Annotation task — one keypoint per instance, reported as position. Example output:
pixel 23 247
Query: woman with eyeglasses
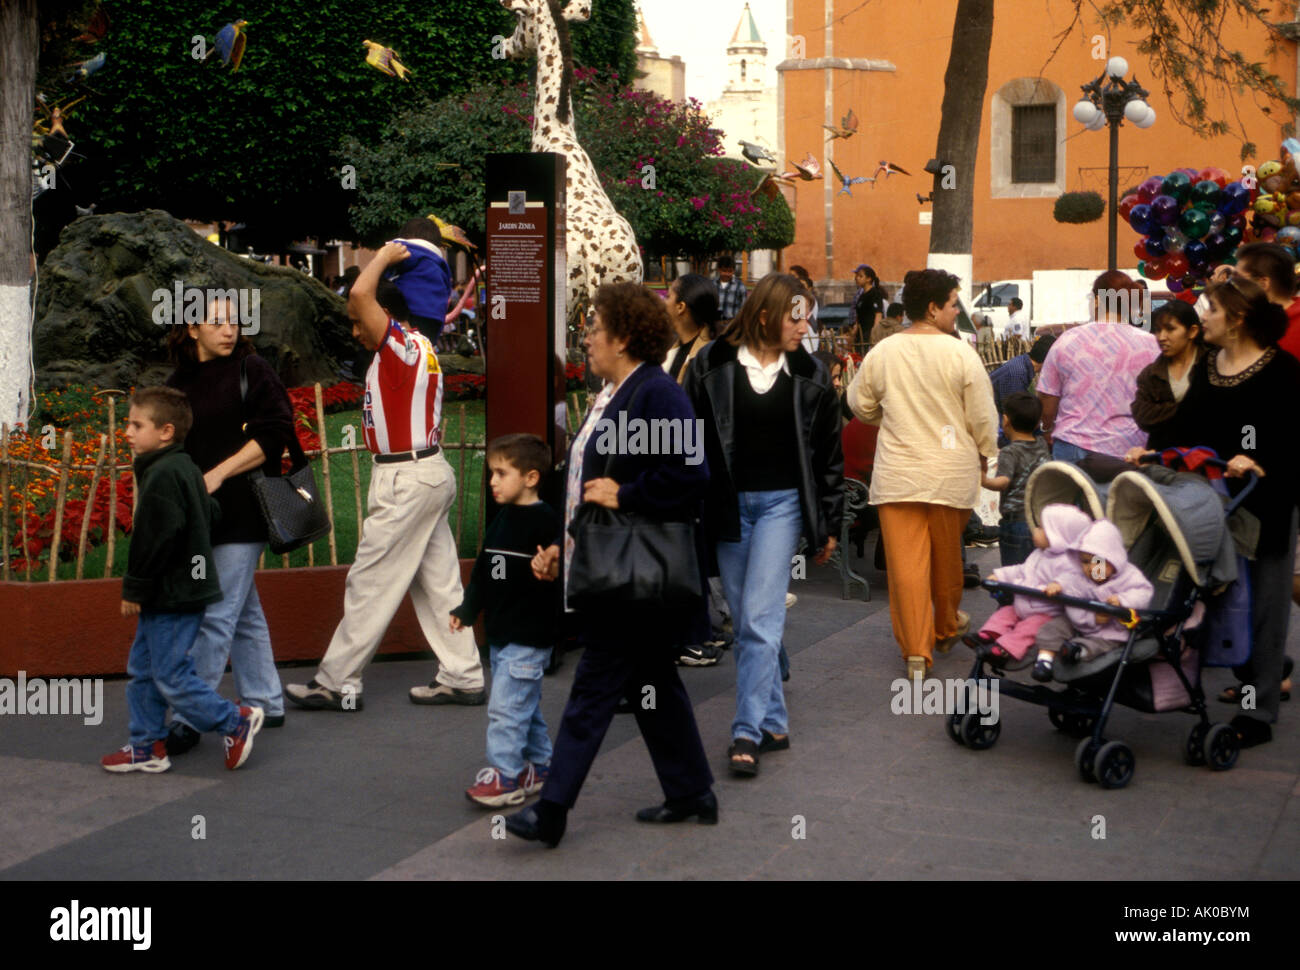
pixel 1237 405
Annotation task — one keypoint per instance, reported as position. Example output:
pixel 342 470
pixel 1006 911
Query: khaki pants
pixel 923 545
pixel 406 543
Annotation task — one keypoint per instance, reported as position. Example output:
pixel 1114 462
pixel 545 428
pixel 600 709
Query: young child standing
pixel 1015 627
pixel 1101 571
pixel 169 580
pixel 1021 413
pixel 522 617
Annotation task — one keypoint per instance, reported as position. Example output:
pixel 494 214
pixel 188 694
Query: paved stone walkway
pixel 874 794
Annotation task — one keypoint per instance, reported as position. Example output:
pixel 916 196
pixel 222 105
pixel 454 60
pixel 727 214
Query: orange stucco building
pixel 886 60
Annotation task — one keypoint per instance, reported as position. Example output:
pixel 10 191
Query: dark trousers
pixel 611 669
pixel 1270 588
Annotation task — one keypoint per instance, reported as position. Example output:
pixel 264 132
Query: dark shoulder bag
pixel 621 558
pixel 290 504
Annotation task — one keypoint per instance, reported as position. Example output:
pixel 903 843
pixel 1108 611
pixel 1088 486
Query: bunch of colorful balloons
pixel 1191 221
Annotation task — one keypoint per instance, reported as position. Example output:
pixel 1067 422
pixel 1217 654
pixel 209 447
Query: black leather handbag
pixel 291 504
pixel 622 559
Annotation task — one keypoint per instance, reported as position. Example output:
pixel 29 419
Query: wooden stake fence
pixel 106 464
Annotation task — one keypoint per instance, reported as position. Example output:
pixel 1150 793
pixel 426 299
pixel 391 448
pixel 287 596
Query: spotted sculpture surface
pixel 600 244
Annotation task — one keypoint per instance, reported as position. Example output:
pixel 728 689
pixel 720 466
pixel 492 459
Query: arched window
pixel 742 69
pixel 1028 140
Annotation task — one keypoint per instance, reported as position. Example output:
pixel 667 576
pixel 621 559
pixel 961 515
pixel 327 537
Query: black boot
pixel 705 806
pixel 543 822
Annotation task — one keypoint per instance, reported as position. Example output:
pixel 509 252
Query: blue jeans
pixel 516 732
pixel 1015 542
pixel 756 576
pixel 162 675
pixel 235 630
pixel 1064 451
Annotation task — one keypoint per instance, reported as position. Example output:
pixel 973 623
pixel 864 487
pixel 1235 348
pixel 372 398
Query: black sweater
pixel 173 519
pixel 520 608
pixel 219 431
pixel 1252 414
pixel 767 445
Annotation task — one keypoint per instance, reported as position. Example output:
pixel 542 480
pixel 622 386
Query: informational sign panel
pixel 524 316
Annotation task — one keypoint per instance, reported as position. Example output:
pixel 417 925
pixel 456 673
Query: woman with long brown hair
pixel 1237 404
pixel 772 438
pixel 234 432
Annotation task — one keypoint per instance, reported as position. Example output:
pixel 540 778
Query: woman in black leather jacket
pixel 772 439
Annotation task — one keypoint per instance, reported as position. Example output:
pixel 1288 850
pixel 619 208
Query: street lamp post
pixel 1108 100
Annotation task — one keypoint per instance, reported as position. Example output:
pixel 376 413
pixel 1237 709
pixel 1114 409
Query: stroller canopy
pixel 1187 508
pixel 1060 482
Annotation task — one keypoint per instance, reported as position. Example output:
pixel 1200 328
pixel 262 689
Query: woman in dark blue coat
pixel 618 460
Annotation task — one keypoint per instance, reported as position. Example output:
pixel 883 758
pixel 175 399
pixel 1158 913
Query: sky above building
pixel 698 32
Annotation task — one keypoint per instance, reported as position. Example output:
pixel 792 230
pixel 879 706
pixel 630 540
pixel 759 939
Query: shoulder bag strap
pixel 295 448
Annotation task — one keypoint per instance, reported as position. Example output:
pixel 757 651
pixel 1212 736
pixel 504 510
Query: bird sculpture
pixel 86 68
pixel 889 168
pixel 755 153
pixel 231 41
pixel 452 235
pixel 96 27
pixel 809 170
pixel 769 187
pixel 923 199
pixel 845 181
pixel 385 59
pixel 847 129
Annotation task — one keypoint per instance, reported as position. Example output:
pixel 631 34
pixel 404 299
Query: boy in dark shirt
pixel 522 615
pixel 1021 413
pixel 169 580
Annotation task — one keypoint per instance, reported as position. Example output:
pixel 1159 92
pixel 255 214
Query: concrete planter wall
pixel 75 628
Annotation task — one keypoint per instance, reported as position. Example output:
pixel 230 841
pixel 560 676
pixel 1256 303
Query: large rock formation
pixel 95 311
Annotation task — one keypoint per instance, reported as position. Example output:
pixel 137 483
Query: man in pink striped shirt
pixel 407 542
pixel 1089 378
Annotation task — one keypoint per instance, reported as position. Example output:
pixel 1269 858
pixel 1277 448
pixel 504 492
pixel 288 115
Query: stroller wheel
pixel 1221 747
pixel 1084 755
pixel 954 727
pixel 978 735
pixel 1114 764
pixel 1194 750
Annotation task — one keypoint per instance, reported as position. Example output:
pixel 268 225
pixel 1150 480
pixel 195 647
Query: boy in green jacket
pixel 169 580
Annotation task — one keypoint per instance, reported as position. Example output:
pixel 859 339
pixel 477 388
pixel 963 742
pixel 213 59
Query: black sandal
pixel 743 746
pixel 771 742
pixel 1232 695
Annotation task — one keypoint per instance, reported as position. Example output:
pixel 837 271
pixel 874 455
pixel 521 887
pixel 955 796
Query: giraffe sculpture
pixel 600 245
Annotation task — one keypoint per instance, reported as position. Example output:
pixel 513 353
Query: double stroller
pixel 1174 523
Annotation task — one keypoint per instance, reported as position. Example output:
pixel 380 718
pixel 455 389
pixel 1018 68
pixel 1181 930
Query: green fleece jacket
pixel 169 568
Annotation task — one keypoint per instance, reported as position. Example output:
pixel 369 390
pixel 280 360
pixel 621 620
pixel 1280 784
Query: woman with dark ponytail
pixel 693 309
pixel 1237 404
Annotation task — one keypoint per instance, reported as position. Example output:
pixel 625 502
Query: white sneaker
pixel 790 600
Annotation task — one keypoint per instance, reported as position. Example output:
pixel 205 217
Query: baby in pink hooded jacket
pixel 1101 572
pixel 1015 627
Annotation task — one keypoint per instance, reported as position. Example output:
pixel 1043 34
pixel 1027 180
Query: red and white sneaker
pixel 532 778
pixel 150 757
pixel 493 790
pixel 239 745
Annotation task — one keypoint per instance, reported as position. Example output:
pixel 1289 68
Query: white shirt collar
pixel 762 377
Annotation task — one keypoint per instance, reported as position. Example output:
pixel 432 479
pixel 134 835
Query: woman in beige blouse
pixel 938 428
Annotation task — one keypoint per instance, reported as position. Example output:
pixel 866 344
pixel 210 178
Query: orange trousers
pixel 923 561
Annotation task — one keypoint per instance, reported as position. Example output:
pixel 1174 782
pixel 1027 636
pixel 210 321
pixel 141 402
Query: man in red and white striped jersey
pixel 406 543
